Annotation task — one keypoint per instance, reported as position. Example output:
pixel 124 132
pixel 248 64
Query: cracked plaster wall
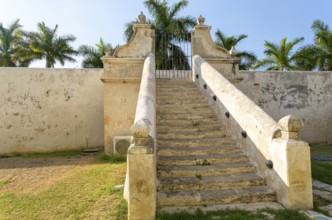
pixel 44 110
pixel 306 95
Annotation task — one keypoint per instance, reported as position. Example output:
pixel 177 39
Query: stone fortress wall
pixel 46 110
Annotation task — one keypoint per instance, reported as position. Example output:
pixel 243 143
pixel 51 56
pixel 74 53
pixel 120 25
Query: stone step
pixel 187 106
pixel 179 98
pixel 176 86
pixel 196 142
pixel 192 88
pixel 212 197
pixel 192 135
pixel 190 128
pixel 195 105
pixel 173 93
pixel 210 182
pixel 174 82
pixel 192 151
pixel 196 123
pixel 202 171
pixel 180 102
pixel 184 110
pixel 186 116
pixel 171 81
pixel 166 93
pixel 201 160
pixel 251 207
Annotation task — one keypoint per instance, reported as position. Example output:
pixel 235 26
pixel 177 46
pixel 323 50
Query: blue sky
pixel 89 20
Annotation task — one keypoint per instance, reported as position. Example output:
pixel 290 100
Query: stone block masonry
pixel 43 110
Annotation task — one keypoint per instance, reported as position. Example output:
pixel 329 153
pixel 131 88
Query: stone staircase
pixel 198 163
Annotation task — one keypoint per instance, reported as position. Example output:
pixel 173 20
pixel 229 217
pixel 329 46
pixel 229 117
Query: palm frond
pixel 319 26
pixel 174 9
pixel 269 63
pixel 247 59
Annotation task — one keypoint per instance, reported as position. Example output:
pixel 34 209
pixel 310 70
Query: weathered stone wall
pixel 44 110
pixel 306 95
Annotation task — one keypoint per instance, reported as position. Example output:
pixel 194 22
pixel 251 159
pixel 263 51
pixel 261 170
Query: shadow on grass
pixel 321 163
pixel 104 158
pixel 59 158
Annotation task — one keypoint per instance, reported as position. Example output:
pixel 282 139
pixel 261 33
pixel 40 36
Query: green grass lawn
pixel 321 170
pixel 321 151
pixel 85 193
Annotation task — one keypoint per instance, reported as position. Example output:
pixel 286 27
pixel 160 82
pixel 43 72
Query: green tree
pixel 317 55
pixel 280 57
pixel 169 29
pixel 248 59
pixel 45 44
pixel 10 40
pixel 92 56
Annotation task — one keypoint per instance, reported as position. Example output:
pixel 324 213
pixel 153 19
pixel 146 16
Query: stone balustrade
pixel 140 186
pixel 281 158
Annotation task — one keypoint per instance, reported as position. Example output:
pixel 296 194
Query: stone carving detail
pixel 290 127
pixel 141 44
pixel 200 20
pixel 233 52
pixel 108 51
pixel 141 137
pixel 140 132
pixel 141 18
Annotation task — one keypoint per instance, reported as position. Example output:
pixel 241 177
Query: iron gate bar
pixel 173 55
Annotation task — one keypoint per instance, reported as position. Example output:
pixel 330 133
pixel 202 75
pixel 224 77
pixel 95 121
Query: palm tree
pixel 92 56
pixel 227 42
pixel 318 55
pixel 45 44
pixel 170 29
pixel 280 57
pixel 9 40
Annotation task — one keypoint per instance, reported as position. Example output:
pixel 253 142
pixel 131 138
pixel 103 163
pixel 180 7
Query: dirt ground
pixel 29 175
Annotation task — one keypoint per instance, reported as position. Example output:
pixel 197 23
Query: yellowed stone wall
pixel 44 110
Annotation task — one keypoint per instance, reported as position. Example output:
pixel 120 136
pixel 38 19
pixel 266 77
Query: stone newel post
pixel 122 75
pixel 140 191
pixel 293 165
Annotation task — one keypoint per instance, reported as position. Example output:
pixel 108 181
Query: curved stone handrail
pixel 258 125
pixel 140 186
pixel 144 126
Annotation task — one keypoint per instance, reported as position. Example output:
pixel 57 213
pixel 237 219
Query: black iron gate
pixel 173 56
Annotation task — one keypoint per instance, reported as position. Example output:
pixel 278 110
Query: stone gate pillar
pixel 222 60
pixel 121 78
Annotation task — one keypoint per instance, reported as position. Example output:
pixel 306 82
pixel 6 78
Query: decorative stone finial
pixel 140 132
pixel 200 20
pixel 108 51
pixel 233 52
pixel 141 18
pixel 290 127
